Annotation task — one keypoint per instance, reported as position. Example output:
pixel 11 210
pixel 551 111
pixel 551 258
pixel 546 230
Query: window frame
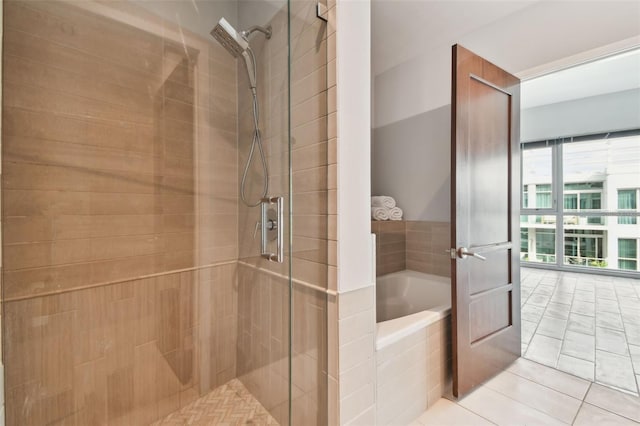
pixel 557 209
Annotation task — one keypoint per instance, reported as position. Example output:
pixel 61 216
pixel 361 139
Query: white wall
pixel 407 164
pixel 591 115
pixel 353 56
pixel 541 33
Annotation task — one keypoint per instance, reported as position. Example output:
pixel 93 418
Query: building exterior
pixel 598 180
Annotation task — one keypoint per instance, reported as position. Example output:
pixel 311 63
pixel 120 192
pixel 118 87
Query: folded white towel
pixel 395 213
pixel 379 213
pixel 383 201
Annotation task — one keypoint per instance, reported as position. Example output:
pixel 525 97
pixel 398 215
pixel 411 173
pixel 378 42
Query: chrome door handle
pixel 272 222
pixel 463 252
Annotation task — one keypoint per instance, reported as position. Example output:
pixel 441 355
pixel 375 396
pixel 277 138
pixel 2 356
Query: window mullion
pixel 557 194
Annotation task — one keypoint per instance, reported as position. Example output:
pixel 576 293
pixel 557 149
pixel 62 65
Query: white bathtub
pixel 407 301
pixel 413 345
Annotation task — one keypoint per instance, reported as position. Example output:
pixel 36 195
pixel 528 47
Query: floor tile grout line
pixel 549 387
pixel 564 335
pixel 542 385
pixel 607 409
pixel 477 414
pixel 558 277
pixel 542 316
pixel 624 326
pixel 525 404
pixel 582 403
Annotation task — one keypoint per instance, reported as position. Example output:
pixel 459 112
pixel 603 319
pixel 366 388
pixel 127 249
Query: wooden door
pixel 485 233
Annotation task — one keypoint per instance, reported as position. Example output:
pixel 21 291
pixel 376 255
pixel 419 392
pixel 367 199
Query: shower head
pixel 236 43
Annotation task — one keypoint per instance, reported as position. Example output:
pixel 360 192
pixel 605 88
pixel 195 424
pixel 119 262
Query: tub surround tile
pixel 390 246
pixel 406 385
pixel 415 245
pixel 356 356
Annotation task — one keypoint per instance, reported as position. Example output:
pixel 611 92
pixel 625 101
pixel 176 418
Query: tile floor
pixel 528 393
pixel 229 404
pixel 586 325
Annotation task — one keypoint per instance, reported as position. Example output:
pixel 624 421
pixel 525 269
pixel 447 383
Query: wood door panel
pixel 488 192
pixel 498 306
pixel 490 274
pixel 485 212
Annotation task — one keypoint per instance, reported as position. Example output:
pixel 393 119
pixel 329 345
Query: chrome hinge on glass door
pixel 272 228
pixel 322 11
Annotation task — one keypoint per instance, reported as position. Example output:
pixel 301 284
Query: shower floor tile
pixel 229 404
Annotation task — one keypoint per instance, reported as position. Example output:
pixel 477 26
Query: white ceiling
pixel 609 75
pixel 516 34
pixel 403 29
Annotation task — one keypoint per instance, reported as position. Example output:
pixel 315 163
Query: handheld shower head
pixel 235 42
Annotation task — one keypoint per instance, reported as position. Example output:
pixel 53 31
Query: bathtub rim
pixel 391 331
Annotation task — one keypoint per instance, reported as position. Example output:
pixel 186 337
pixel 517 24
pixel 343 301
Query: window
pixel 537 175
pixel 524 243
pixel 546 245
pixel 584 196
pixel 584 247
pixel 580 194
pixel 628 254
pixel 627 200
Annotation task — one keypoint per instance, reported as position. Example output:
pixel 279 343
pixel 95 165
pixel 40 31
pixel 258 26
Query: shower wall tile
pixel 115 170
pixel 127 353
pixel 104 165
pixel 262 342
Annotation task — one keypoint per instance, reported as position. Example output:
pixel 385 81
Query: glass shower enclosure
pixel 164 212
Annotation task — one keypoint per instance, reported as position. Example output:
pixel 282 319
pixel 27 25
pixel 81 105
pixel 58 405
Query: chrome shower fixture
pixel 237 43
pixel 229 38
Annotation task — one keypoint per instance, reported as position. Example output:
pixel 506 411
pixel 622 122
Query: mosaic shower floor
pixel 229 404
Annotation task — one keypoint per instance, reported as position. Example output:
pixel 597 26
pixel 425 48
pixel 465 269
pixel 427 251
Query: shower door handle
pixel 272 228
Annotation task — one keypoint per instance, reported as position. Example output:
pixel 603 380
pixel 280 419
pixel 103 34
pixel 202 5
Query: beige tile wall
pixel 356 380
pixel 121 181
pixel 427 245
pixel 263 339
pixel 261 355
pixel 416 245
pixel 126 353
pixel 390 246
pixel 120 169
pixel 413 373
pixel 99 152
